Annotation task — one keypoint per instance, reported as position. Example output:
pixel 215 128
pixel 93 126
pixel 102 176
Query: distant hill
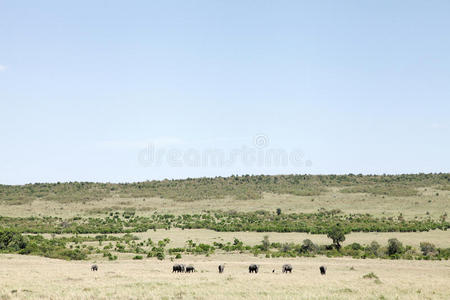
pixel 237 187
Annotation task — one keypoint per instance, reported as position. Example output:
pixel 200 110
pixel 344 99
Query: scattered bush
pixel 160 255
pixel 265 243
pixel 394 247
pixel 11 241
pixel 427 248
pixel 370 275
pixel 308 247
pixel 374 248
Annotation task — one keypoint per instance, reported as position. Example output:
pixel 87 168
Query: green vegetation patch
pixel 259 221
pixel 237 187
pixel 82 247
pixel 14 242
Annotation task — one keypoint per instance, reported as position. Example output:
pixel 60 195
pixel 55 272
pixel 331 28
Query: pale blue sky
pixel 357 86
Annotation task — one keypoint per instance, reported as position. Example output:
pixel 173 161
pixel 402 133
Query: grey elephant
pixel 221 268
pixel 178 268
pixel 190 269
pixel 287 268
pixel 253 268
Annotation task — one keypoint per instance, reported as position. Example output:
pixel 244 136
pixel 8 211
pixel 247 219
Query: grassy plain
pixel 26 277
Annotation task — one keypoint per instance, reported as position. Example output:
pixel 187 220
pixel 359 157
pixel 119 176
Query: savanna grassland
pixel 30 277
pixel 381 237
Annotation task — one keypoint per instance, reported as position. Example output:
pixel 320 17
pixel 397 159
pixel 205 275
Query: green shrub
pixel 308 247
pixel 70 254
pixel 355 246
pixel 395 247
pixel 370 275
pixel 374 248
pixel 160 255
pixel 11 241
pixel 265 243
pixel 427 248
pixel 286 247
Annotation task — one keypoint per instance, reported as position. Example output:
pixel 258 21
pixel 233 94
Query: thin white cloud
pixel 438 125
pixel 2 68
pixel 435 125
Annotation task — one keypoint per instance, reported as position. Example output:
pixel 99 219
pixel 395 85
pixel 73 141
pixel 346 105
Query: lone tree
pixel 337 234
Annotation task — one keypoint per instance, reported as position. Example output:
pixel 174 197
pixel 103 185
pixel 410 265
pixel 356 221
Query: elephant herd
pixel 180 268
pixel 253 268
pixel 287 268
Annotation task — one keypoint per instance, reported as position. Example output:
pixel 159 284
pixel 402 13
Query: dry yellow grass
pixel 27 277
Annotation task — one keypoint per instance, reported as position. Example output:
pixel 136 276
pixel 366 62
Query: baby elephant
pixel 221 268
pixel 94 268
pixel 190 269
pixel 287 268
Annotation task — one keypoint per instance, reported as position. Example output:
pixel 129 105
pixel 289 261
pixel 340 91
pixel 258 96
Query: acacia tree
pixel 337 235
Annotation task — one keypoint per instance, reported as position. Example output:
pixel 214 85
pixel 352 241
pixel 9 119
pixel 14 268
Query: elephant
pixel 287 268
pixel 190 269
pixel 178 268
pixel 221 268
pixel 253 268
